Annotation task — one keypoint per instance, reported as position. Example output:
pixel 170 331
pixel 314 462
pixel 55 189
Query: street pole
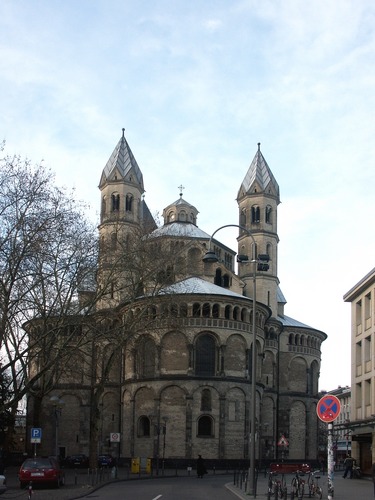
pixel 251 477
pixel 257 260
pixel 330 462
pixel 58 405
pixel 164 433
pixel 157 448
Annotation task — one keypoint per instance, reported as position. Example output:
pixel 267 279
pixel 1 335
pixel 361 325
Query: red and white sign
pixel 114 437
pixel 328 408
pixel 283 441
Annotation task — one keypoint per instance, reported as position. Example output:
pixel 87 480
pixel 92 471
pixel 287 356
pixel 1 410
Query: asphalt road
pixel 167 489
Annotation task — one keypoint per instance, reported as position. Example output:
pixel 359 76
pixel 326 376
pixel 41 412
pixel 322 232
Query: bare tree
pixel 47 249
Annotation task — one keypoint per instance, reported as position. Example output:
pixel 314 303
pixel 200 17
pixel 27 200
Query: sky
pixel 197 85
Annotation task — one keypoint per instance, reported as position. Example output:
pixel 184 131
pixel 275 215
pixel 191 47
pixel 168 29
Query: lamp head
pixel 210 256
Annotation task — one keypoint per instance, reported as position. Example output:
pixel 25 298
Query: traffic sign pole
pixel 328 409
pixel 330 462
pixel 35 437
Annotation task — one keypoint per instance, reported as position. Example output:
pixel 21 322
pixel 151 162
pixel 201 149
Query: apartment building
pixel 362 418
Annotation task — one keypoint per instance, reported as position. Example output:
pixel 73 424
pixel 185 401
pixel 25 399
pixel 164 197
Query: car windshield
pixel 37 463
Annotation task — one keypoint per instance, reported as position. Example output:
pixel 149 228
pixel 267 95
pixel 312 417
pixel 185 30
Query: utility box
pixel 141 465
pixel 146 465
pixel 135 467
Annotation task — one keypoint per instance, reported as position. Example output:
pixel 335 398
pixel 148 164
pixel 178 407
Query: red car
pixel 41 470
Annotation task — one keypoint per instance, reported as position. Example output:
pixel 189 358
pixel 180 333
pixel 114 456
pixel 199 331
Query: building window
pixel 206 404
pixel 225 281
pixel 358 316
pixel 146 358
pixel 218 278
pixel 269 250
pixel 129 203
pixel 206 310
pixel 205 426
pixel 144 427
pixel 104 206
pixel 255 214
pixel 115 202
pixel 196 310
pixel 216 311
pixel 205 356
pixel 228 312
pixel 243 219
pixel 268 214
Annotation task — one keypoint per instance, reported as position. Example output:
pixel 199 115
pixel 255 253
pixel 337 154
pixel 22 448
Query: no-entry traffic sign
pixel 328 408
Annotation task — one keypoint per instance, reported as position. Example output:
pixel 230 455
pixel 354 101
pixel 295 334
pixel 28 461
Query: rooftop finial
pixel 123 133
pixel 181 187
pixel 258 146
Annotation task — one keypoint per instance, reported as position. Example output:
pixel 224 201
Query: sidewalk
pixel 344 489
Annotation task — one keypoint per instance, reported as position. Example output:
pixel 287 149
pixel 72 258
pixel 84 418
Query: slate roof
pixel 181 229
pixel 280 296
pixel 260 173
pixel 199 286
pixel 122 160
pixel 288 321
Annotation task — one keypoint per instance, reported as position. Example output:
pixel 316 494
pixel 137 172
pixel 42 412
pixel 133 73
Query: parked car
pixel 106 461
pixel 41 470
pixel 3 483
pixel 79 460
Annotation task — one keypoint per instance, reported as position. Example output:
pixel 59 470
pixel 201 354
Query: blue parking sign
pixel 36 435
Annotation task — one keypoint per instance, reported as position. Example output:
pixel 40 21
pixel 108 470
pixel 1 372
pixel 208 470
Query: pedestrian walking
pixel 201 468
pixel 348 464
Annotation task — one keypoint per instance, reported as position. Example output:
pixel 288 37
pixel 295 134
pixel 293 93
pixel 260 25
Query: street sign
pixel 283 441
pixel 36 435
pixel 328 408
pixel 114 437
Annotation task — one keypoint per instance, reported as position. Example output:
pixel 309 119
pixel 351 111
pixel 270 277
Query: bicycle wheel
pixel 301 490
pixel 270 491
pixel 293 489
pixel 276 492
pixel 318 492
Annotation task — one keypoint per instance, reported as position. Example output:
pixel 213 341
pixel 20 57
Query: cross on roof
pixel 181 187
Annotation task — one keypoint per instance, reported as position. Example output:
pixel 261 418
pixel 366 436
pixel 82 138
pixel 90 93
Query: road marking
pixel 156 498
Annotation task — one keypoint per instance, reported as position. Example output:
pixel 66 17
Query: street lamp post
pixel 260 263
pixel 160 428
pixel 58 405
pixel 164 435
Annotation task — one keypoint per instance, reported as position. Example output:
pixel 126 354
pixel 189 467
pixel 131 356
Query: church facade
pixel 182 385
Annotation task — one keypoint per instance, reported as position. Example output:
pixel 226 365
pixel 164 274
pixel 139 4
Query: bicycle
pixel 271 485
pixel 276 487
pixel 315 491
pixel 297 486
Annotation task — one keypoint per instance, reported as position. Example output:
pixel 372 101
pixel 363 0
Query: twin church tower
pixel 182 384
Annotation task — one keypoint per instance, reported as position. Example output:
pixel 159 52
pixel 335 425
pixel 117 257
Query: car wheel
pixel 22 485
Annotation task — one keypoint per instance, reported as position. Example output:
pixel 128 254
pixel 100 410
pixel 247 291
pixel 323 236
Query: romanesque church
pixel 182 385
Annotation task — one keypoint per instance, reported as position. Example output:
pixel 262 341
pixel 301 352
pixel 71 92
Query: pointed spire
pixel 259 178
pixel 122 165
